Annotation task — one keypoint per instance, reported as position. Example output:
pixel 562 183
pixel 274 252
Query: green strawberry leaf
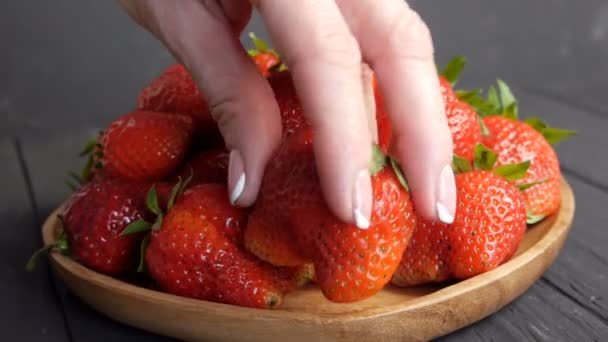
pixel 513 172
pixel 88 147
pixel 73 187
pixel 461 165
pixel 178 189
pixel 484 158
pixel 536 123
pixel 510 112
pixel 378 161
pixel 259 44
pixel 551 134
pixel 508 101
pixel 136 227
pixel 484 129
pixel 453 69
pixel 556 135
pixel 481 105
pixel 278 68
pixel 466 95
pixel 526 186
pixel 531 218
pixel 152 201
pixel 493 98
pixel 62 245
pixel 141 268
pixel 399 174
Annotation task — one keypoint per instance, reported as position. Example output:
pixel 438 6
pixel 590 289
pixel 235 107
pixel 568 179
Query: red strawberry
pixel 174 91
pixel 514 142
pixel 95 216
pixel 425 259
pixel 207 167
pixel 464 126
pixel 383 121
pixel 265 58
pixel 350 263
pixel 490 226
pixel 145 146
pixel 197 253
pixel 490 223
pixel 292 116
pixel 265 62
pixel 447 93
pixel 462 118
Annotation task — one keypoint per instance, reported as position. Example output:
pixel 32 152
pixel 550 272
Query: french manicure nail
pixel 446 196
pixel 362 200
pixel 236 176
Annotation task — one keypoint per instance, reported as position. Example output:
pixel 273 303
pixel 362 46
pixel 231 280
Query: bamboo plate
pixel 414 314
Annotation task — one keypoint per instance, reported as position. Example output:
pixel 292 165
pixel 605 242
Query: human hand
pixel 324 42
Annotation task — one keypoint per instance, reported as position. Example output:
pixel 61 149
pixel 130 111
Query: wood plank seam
pixel 34 207
pixel 584 306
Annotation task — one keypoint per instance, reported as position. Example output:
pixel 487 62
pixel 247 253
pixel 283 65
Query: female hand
pixel 324 42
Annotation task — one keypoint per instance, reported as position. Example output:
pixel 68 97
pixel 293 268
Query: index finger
pixel 325 61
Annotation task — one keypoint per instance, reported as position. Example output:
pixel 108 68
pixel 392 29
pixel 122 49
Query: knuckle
pixel 409 37
pixel 333 46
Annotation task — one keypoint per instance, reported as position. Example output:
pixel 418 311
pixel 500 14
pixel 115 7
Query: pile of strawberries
pixel 153 199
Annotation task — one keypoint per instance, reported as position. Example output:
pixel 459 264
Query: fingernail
pixel 236 176
pixel 446 196
pixel 362 200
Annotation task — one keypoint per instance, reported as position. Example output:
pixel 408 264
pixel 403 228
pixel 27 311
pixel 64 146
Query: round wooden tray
pixel 415 314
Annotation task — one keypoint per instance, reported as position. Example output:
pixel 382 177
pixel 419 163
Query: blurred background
pixel 77 64
pixel 67 68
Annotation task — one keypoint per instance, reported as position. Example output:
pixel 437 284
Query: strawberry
pixel 425 259
pixel 94 218
pixel 174 91
pixel 144 146
pixel 462 118
pixel 383 121
pixel 292 116
pixel 207 167
pixel 489 225
pixel 197 252
pixel 515 141
pixel 264 58
pixel 464 126
pixel 350 263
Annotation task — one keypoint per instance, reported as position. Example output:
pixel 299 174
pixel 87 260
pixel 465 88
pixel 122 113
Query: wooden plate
pixel 416 314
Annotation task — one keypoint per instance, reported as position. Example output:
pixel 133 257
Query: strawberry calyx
pixel 532 218
pixel 260 46
pixel 501 101
pixel 551 134
pixel 380 160
pixel 143 226
pixel 452 71
pixel 61 245
pixel 91 150
pixel 485 159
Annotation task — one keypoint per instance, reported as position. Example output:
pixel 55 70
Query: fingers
pixel 241 100
pixel 325 61
pixel 398 46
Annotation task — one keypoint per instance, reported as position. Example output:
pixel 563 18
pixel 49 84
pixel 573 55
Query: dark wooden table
pixel 67 68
